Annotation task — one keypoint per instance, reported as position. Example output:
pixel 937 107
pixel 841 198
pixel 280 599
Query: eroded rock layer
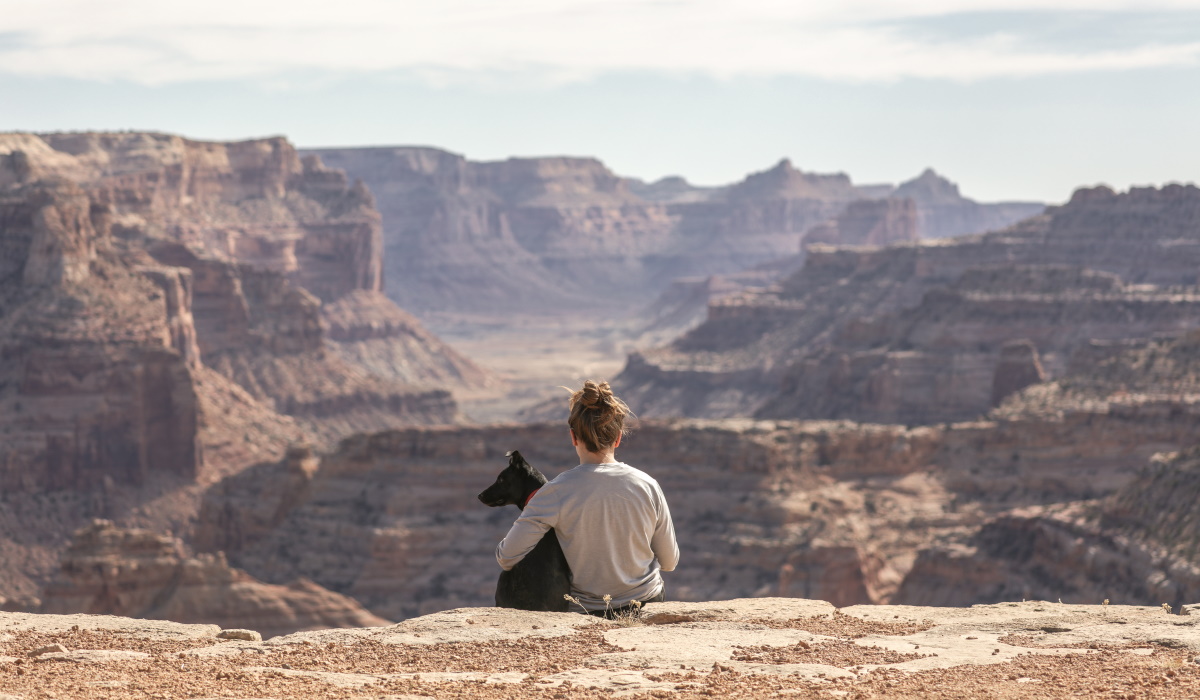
pixel 108 570
pixel 914 333
pixel 555 234
pixel 165 307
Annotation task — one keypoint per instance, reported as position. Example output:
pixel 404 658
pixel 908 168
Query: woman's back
pixel 615 529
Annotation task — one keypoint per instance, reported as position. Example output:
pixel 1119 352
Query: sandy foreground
pixel 748 648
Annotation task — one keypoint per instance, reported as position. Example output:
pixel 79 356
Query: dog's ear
pixel 514 457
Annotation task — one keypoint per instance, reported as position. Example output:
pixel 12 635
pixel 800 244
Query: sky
pixel 1012 99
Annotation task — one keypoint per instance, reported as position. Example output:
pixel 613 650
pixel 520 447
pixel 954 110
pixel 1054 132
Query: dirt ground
pixel 509 655
pixel 169 673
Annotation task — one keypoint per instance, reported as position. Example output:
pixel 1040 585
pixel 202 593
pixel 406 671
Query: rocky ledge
pixel 757 647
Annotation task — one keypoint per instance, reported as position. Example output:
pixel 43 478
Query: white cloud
pixel 157 42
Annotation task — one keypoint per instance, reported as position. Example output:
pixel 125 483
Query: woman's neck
pixel 586 457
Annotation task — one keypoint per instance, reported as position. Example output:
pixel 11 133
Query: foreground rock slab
pixel 761 647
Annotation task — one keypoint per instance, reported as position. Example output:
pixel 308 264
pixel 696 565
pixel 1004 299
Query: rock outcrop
pixel 942 212
pixel 1137 545
pixel 108 570
pixel 850 513
pixel 870 222
pixel 913 333
pixel 163 323
pixel 92 384
pixel 392 520
pixel 747 648
pixel 541 234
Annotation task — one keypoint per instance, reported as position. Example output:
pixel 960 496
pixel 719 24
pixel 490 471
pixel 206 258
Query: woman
pixel 611 519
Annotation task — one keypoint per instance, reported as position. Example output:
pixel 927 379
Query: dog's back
pixel 541 580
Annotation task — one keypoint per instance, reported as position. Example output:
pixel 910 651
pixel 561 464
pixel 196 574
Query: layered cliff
pixel 248 242
pixel 392 519
pixel 914 332
pixel 1116 521
pixel 845 512
pixel 108 570
pixel 1139 545
pixel 544 234
pixel 166 313
pixel 99 359
pixel 942 211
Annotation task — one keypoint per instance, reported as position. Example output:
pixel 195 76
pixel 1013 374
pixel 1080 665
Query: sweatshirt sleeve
pixel 539 516
pixel 663 543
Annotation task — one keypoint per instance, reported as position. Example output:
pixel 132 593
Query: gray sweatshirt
pixel 614 527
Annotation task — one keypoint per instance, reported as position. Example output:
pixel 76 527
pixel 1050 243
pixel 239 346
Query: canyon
pixel 173 311
pixel 243 381
pixel 542 235
pixel 913 333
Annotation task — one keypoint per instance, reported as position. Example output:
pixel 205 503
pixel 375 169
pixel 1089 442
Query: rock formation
pixel 1135 546
pixel 540 234
pixel 913 333
pixel 942 212
pixel 108 570
pixel 392 520
pixel 872 222
pixel 742 648
pixel 845 512
pixel 164 306
pixel 92 385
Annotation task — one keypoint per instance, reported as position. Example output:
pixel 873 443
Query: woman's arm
pixel 663 543
pixel 538 517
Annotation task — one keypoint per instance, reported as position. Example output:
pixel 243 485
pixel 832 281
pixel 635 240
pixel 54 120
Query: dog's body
pixel 542 579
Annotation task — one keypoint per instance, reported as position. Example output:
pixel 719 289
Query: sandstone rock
pixel 1017 368
pixel 244 635
pixel 94 656
pixel 912 333
pixel 108 570
pixel 246 241
pixel 873 222
pixel 533 232
pixel 47 649
pixel 942 212
pixel 751 497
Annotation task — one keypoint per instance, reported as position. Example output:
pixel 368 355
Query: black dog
pixel 542 579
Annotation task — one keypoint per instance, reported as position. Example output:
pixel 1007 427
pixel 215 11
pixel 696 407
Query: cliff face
pixel 873 222
pixel 392 519
pixel 914 333
pixel 247 242
pixel 851 513
pixel 542 234
pixel 163 313
pixel 97 377
pixel 1114 519
pixel 108 570
pixel 942 212
pixel 845 512
pixel 1138 545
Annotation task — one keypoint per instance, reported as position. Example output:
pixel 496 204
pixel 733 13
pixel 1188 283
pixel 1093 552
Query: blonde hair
pixel 597 416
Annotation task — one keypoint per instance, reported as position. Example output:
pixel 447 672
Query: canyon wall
pixel 392 519
pixel 253 252
pixel 845 512
pixel 543 234
pixel 173 311
pixel 108 570
pixel 913 333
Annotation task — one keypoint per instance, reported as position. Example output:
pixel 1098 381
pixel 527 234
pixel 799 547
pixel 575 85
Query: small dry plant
pixel 627 616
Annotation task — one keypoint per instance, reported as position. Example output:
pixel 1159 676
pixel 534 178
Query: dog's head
pixel 514 484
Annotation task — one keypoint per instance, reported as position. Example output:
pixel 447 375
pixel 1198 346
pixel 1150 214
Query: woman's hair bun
pixel 595 395
pixel 597 415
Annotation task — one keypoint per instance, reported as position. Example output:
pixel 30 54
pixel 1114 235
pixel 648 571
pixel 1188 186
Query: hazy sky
pixel 1012 99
